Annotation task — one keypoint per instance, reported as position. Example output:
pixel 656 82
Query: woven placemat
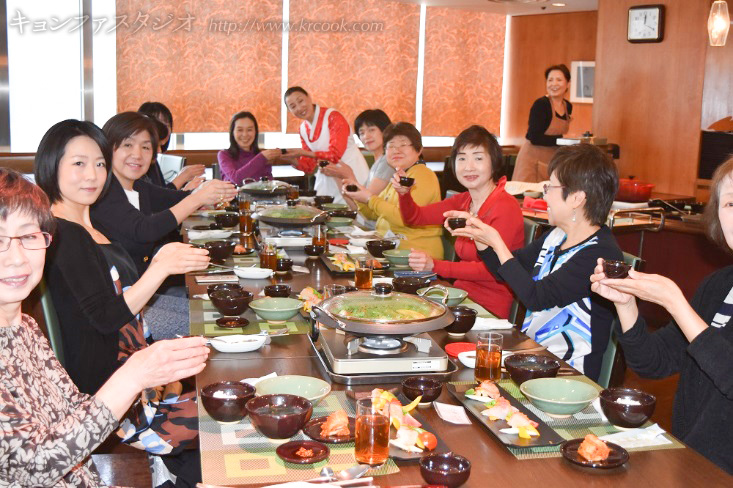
pixel 482 312
pixel 587 421
pixel 237 454
pixel 203 317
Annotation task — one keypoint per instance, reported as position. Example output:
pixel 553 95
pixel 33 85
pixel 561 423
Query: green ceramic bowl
pixel 397 257
pixel 455 295
pixel 314 389
pixel 276 309
pixel 339 221
pixel 559 397
pixel 334 206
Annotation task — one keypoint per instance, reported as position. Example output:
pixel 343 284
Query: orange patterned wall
pixel 354 71
pixel 202 75
pixel 464 63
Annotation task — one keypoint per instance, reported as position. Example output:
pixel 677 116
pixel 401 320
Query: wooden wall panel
pixel 717 97
pixel 354 71
pixel 203 76
pixel 464 63
pixel 648 97
pixel 536 42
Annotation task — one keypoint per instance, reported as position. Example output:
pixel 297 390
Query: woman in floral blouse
pixel 47 428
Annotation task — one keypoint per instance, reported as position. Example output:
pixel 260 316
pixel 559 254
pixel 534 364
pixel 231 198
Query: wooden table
pixel 492 464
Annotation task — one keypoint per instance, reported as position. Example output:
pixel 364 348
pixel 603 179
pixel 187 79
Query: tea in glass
pixel 363 274
pixel 244 204
pixel 293 192
pixel 246 224
pixel 319 237
pixel 372 434
pixel 268 257
pixel 488 356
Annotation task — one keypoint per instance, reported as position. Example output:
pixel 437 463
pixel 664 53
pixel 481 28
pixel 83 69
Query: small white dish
pixel 238 343
pixel 252 273
pixel 468 358
pixel 208 234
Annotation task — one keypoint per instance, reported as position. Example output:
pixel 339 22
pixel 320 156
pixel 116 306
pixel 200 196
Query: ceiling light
pixel 558 4
pixel 718 23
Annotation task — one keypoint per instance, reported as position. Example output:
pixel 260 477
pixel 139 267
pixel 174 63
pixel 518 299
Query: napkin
pixel 357 232
pixel 202 296
pixel 635 438
pixel 488 323
pixel 455 414
pixel 332 248
pixel 535 203
pixel 254 381
pixel 300 269
pixel 355 249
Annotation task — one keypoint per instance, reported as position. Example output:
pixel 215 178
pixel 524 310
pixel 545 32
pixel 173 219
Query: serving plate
pixel 336 270
pixel 313 430
pixel 287 451
pixel 547 437
pixel 616 458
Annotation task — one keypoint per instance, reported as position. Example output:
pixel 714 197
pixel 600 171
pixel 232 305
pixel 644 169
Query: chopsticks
pixel 358 481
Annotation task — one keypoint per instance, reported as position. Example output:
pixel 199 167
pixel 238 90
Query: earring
pixel 574 212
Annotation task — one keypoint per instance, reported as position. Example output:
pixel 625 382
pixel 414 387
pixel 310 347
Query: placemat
pixel 482 312
pixel 203 317
pixel 234 454
pixel 587 421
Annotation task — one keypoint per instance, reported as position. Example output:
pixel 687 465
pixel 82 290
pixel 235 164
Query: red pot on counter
pixel 630 190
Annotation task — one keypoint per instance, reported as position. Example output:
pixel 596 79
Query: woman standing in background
pixel 549 118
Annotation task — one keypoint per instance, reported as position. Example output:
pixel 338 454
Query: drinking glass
pixel 363 274
pixel 488 356
pixel 333 290
pixel 320 237
pixel 293 192
pixel 372 434
pixel 244 204
pixel 246 224
pixel 268 257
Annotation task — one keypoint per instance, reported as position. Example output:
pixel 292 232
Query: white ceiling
pixel 513 7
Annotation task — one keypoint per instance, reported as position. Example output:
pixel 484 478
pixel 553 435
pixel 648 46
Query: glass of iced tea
pixel 333 290
pixel 372 434
pixel 293 192
pixel 319 237
pixel 363 274
pixel 244 204
pixel 246 225
pixel 488 356
pixel 268 257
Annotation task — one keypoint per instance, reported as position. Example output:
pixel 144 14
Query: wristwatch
pixel 283 151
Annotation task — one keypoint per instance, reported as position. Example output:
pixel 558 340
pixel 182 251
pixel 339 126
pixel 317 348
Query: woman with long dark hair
pixel 244 158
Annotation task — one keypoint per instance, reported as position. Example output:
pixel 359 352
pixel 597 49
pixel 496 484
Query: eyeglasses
pixel 546 188
pixel 31 242
pixel 396 146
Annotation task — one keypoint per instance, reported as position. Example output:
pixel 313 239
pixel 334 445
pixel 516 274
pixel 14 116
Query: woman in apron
pixel 549 118
pixel 325 136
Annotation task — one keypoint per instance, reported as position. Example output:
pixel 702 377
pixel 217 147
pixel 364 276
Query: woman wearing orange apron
pixel 549 118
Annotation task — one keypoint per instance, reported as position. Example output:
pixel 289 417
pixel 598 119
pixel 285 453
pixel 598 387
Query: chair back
pixel 170 165
pixel 517 310
pixel 53 327
pixel 609 356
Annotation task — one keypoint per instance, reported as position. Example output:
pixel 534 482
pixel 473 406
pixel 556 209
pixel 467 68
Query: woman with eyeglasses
pixel 190 176
pixel 99 295
pixel 478 164
pixel 48 428
pixel 325 136
pixel 550 275
pixel 697 344
pixel 403 147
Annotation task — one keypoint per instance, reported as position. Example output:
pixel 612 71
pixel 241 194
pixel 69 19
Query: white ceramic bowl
pixel 238 343
pixel 252 273
pixel 208 234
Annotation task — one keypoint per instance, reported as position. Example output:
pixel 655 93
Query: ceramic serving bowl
pixel 446 469
pixel 524 367
pixel 558 397
pixel 397 257
pixel 464 318
pixel 219 250
pixel 228 219
pixel 427 387
pixel 281 291
pixel 276 309
pixel 377 247
pixel 279 416
pixel 339 222
pixel 313 251
pixel 230 303
pixel 626 407
pixel 455 295
pixel 334 206
pixel 225 401
pixel 409 284
pixel 321 199
pixel 349 214
pixel 238 343
pixel 224 287
pixel 313 389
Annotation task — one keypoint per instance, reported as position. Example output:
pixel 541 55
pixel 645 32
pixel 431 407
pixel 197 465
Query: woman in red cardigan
pixel 477 162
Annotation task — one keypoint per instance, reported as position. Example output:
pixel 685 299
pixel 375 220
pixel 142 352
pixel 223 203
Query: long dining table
pixel 492 463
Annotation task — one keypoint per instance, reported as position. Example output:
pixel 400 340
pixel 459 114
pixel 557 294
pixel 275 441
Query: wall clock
pixel 646 23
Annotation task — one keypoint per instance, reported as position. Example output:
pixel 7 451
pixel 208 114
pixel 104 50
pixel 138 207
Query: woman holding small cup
pixel 550 275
